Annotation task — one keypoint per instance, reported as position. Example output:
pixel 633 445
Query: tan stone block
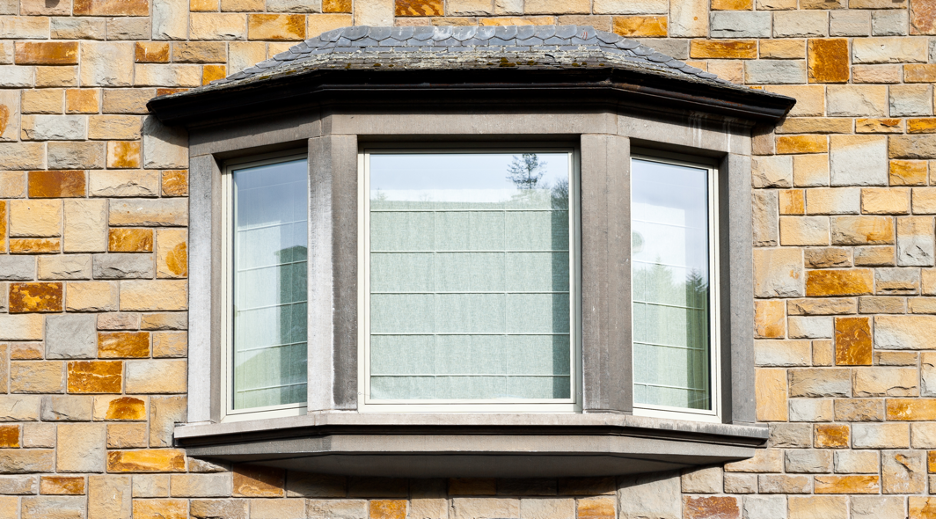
pixel 164 413
pixel 119 408
pixel 771 394
pixel 54 485
pixel 36 377
pixel 792 202
pixel 856 484
pixel 778 273
pixel 242 5
pixel 81 447
pixel 732 71
pixel 174 183
pixel 857 100
pixel 862 230
pixel 764 461
pixel 810 99
pixel 127 101
pixel 859 410
pixel 881 304
pixel 885 200
pixel 242 55
pixel 47 53
pixel 123 345
pixel 732 5
pixel 151 295
pixel 929 281
pixel 217 26
pixel 257 481
pixel 640 26
pixel 880 381
pixel 12 186
pixel 165 321
pixel 802 144
pixel 35 218
pixel 23 327
pixel 884 358
pixel 56 76
pixel 162 376
pixel 591 507
pixel 782 49
pixel 804 231
pixel 91 297
pixel 734 49
pixel 76 155
pixel 336 6
pixel 878 126
pixel 817 507
pixel 170 344
pixel 39 7
pixel 171 253
pixel 114 127
pixel 783 484
pixel 874 256
pixel 166 508
pixel 151 52
pixel 903 472
pixel 109 496
pixel 126 435
pixel 85 225
pixel 124 183
pixel 39 101
pixel 922 507
pixel 926 125
pixel 826 257
pixel 833 201
pixel 35 245
pixel 823 353
pixel 226 508
pixel 143 212
pixel 711 507
pixel 876 74
pixel 811 170
pixel 769 319
pixel 166 75
pixel 27 351
pixel 831 435
pixel 828 60
pixel 107 64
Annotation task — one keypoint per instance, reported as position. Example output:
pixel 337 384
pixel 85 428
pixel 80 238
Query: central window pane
pixel 469 276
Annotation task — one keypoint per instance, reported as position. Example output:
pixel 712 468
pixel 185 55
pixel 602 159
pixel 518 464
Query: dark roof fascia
pixel 438 89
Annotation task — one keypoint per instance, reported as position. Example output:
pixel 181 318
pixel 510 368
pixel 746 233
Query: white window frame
pixel 572 404
pixel 715 351
pixel 228 412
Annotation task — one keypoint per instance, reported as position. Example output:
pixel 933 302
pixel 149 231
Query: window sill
pixel 473 445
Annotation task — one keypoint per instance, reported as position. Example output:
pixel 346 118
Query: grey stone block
pixel 800 24
pixel 850 23
pixel 910 100
pixel 862 165
pixel 71 336
pixel 122 265
pixel 741 24
pixel 889 22
pixel 19 485
pixel 652 495
pixel 775 72
pixel 14 267
pixel 66 408
pixel 808 461
pixel 4 290
pixel 764 507
pixel 677 48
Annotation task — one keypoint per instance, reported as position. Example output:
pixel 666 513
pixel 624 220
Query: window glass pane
pixel 670 233
pixel 270 250
pixel 469 276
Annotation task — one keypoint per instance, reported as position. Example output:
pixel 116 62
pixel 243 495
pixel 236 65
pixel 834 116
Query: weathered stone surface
pixel 257 481
pixel 877 507
pixel 171 253
pixel 859 410
pixel 769 319
pixel 711 507
pixel 118 321
pixel 35 218
pixel 143 212
pixel 810 327
pixel 126 435
pixel 904 332
pixel 903 472
pixel 808 461
pixel 818 507
pixel 916 245
pixel 122 266
pixel 878 436
pixel 119 408
pixel 66 408
pixel 778 273
pixel 167 23
pixel 778 72
pixel 164 147
pixel 64 267
pixel 811 410
pixel 123 345
pixel 654 495
pixel 820 383
pixel 885 200
pixel 170 344
pixel 706 480
pixel 70 336
pixel 91 297
pixel 164 413
pixel 897 281
pixel 833 201
pixel 124 183
pixel 81 447
pixel 589 507
pixel 889 50
pixel 109 496
pixel 143 461
pixel 35 297
pixel 922 507
pixel 785 484
pixel 851 282
pixel 164 376
pixel 765 207
pixel 168 508
pixel 772 172
pixel 740 24
pixel 203 486
pixel 853 345
pixel 19 485
pixel 804 231
pixel 153 295
pixel 92 377
pixel 25 327
pixel 790 435
pixel 831 435
pixel 875 256
pixel 850 461
pixel 882 305
pixel 54 507
pixel 341 508
pixel 858 160
pixel 739 483
pixel 880 381
pixel 36 377
pixel 912 146
pixel 863 484
pixel 764 507
pixel 123 154
pixel 230 508
pixel 165 321
pixel 763 461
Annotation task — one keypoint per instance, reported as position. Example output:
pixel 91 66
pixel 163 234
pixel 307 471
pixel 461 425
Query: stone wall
pixel 93 215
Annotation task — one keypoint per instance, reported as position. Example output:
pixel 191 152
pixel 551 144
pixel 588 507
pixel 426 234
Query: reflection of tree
pixel 526 171
pixel 672 298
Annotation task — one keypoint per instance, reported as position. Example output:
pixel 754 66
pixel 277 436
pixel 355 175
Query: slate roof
pixel 466 48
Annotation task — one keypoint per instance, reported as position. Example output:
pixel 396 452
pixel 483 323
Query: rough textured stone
pixel 91 377
pixel 849 461
pixel 81 448
pixel 783 484
pixel 204 485
pixel 71 336
pixel 878 507
pixel 889 50
pixel 811 327
pixel 818 507
pixel 649 496
pixel 36 377
pixel 230 508
pixel 859 410
pixel 143 461
pixel 766 229
pixel 169 508
pixel 764 507
pixel 853 341
pixel 257 481
pixel 850 282
pixel 778 273
pixel 91 297
pixel 85 225
pixel 66 408
pixel 903 472
pixel 156 376
pixel 904 332
pixel 808 461
pixel 54 507
pixel 877 436
pixel 770 319
pixel 109 496
pixel 820 383
pixel 122 266
pixel 339 508
pixel 153 295
pixel 771 394
pixel 879 381
pixel 856 484
pixel 119 408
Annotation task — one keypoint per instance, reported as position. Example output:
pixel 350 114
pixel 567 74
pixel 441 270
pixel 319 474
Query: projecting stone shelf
pixel 473 445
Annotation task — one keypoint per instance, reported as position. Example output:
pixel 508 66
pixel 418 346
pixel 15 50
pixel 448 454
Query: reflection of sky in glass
pixel 455 177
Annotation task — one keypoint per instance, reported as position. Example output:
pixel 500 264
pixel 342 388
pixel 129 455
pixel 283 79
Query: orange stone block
pixel 792 202
pixel 923 17
pixel 123 154
pixel 169 91
pixel 276 27
pixel 734 49
pixel 95 377
pixel 908 173
pixel 832 435
pixel 3 225
pixel 162 508
pixel 846 282
pixel 126 409
pixel 336 6
pixel 922 507
pixel 151 52
pixel 46 53
pixel 34 246
pixel 924 125
pixel 856 484
pixel 56 184
pixel 878 126
pixel 931 461
pixel 123 344
pixel 419 8
pixel 853 341
pixel 111 8
pixel 732 5
pixel 145 461
pixel 175 183
pixel 36 297
pixel 787 144
pixel 27 351
pixel 911 409
pixel 640 26
pixel 9 436
pixel 596 507
pixel 920 73
pixel 828 60
pixel 387 509
pixel 82 101
pixel 130 240
pixel 62 485
pixel 711 507
pixel 212 72
pixel 258 481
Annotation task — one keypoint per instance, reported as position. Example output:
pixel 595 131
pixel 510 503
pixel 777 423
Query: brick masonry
pixel 93 241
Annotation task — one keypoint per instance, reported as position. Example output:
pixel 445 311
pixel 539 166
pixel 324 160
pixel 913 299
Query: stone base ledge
pixel 473 445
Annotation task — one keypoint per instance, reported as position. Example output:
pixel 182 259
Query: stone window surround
pixel 604 139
